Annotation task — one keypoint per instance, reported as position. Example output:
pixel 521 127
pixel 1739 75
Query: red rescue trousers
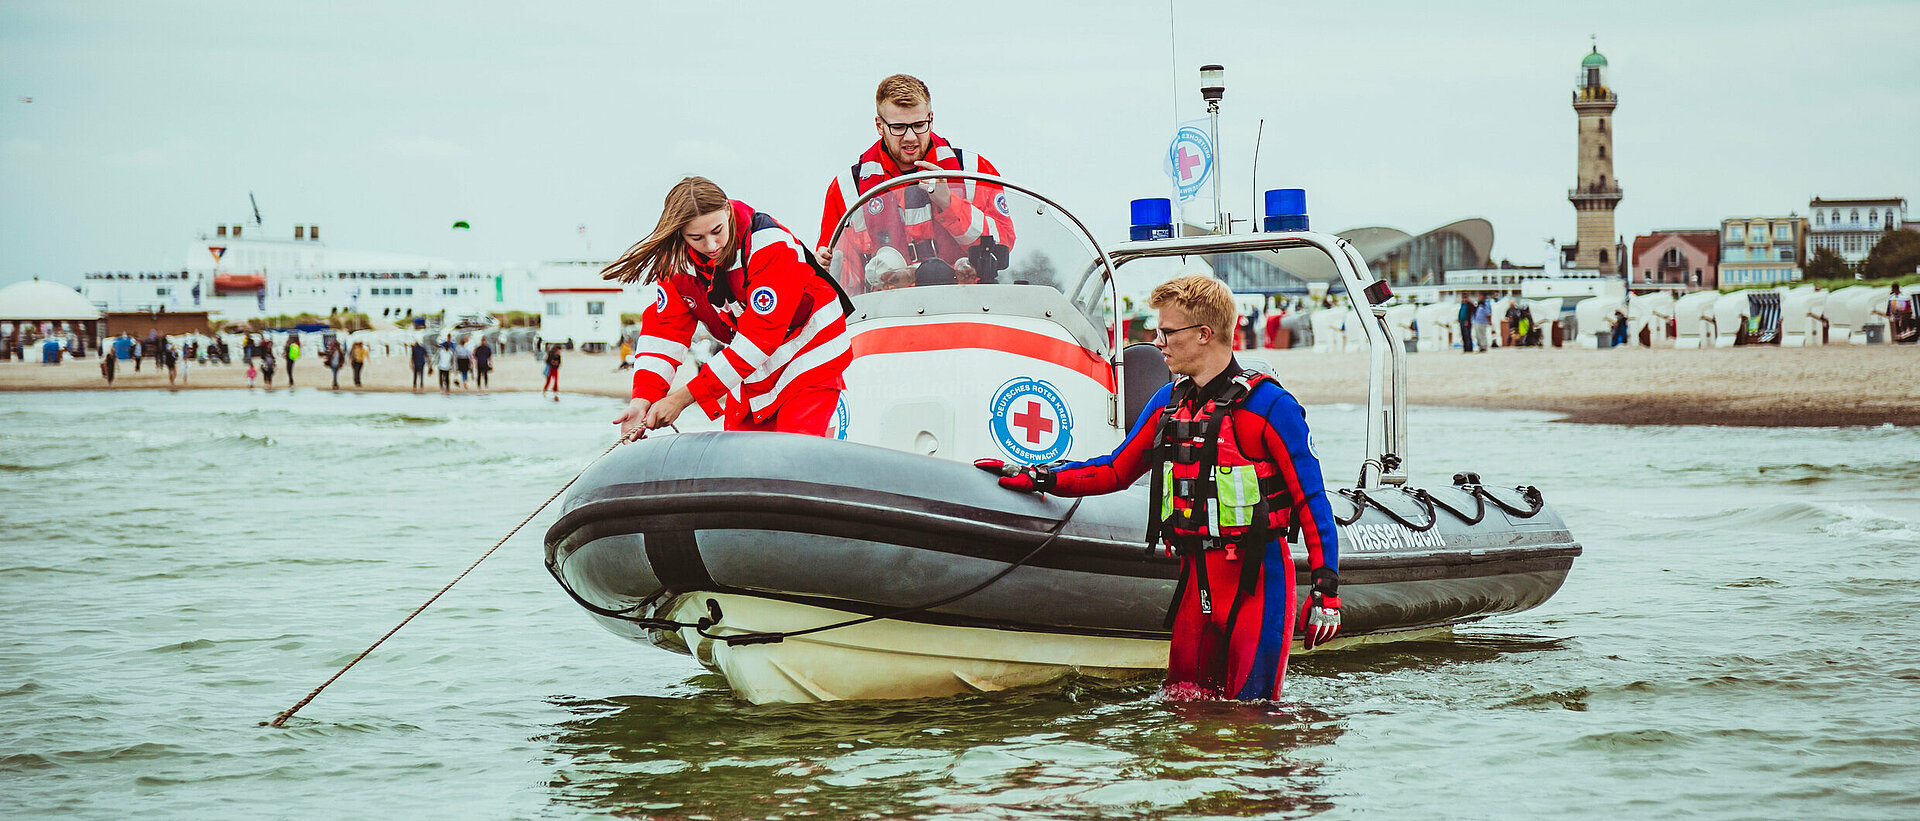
pixel 1245 658
pixel 807 411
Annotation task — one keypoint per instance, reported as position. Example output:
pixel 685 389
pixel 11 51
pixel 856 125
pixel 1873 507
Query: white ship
pixel 240 271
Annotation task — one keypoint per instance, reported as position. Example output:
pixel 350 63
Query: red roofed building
pixel 1686 259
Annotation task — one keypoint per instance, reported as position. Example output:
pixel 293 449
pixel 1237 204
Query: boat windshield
pixel 967 230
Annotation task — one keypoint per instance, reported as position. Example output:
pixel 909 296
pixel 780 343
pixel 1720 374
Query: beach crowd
pixel 454 362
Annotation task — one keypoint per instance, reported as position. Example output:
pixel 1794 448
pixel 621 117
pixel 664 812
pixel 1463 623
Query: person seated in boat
pixel 1233 470
pixel 966 224
pixel 888 270
pixel 716 263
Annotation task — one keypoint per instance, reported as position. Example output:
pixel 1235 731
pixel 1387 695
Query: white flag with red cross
pixel 1190 164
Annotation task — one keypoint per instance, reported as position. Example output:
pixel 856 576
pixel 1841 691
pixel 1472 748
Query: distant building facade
pixel 1596 190
pixel 1424 259
pixel 1850 228
pixel 1762 250
pixel 1393 255
pixel 582 310
pixel 1687 257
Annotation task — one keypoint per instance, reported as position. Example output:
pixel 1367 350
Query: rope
pixel 281 719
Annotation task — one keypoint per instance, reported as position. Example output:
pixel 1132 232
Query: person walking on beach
pixel 1483 325
pixel 443 359
pixel 552 373
pixel 107 363
pixel 419 366
pixel 626 356
pixel 462 359
pixel 482 363
pixel 266 365
pixel 716 263
pixel 139 353
pixel 1466 324
pixel 358 358
pixel 252 373
pixel 293 355
pixel 168 358
pixel 1243 473
pixel 335 358
pixel 1901 326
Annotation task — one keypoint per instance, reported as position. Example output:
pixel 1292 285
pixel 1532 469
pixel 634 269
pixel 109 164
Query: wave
pixel 199 444
pixel 30 569
pixel 1803 473
pixel 1832 518
pixel 394 420
pixel 25 467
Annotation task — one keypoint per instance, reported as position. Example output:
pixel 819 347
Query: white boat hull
pixel 889 659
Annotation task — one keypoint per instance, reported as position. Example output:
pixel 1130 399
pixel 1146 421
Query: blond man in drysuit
pixel 1234 470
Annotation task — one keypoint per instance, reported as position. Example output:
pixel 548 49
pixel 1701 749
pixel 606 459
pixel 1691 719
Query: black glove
pixel 1023 478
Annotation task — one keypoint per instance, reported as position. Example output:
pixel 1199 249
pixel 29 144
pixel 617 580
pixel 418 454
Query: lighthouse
pixel 1596 190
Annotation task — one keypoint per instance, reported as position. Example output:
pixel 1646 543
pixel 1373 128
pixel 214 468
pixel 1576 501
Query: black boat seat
pixel 1145 371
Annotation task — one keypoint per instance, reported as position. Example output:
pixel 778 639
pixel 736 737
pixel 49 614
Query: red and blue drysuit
pixel 1233 614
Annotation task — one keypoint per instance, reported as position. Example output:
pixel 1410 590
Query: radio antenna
pixel 256 208
pixel 1257 134
pixel 1173 64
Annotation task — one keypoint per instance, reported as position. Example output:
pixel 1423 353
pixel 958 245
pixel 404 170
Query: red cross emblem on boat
pixel 1030 421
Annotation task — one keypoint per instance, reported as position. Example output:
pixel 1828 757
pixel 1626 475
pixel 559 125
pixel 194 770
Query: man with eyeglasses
pixel 1233 472
pixel 966 225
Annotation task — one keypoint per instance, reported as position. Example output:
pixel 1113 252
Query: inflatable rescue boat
pixel 878 563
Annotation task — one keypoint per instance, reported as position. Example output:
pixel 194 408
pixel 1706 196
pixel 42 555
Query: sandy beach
pixel 1747 386
pixel 1751 386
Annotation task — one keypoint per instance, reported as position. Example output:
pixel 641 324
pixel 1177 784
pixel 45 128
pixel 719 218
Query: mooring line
pixel 281 719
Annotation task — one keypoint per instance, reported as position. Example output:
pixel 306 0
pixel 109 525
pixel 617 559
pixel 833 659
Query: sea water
pixel 1739 641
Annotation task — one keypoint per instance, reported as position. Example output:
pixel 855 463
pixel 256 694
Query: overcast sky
pixel 385 122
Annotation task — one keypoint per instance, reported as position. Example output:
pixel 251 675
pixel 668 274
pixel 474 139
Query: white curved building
pixel 37 308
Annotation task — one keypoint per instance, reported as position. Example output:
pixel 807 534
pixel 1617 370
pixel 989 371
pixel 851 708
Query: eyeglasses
pixel 1160 335
pixel 900 129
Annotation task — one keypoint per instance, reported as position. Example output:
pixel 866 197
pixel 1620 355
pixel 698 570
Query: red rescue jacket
pixel 782 321
pixel 976 209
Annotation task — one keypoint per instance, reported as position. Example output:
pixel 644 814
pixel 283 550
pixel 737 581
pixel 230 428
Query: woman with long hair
pixel 716 262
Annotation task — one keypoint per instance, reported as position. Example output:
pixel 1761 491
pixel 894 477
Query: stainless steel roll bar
pixel 1386 434
pixel 1386 443
pixel 1105 265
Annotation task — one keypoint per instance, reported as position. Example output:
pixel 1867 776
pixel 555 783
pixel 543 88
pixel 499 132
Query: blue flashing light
pixel 1152 219
pixel 1286 209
